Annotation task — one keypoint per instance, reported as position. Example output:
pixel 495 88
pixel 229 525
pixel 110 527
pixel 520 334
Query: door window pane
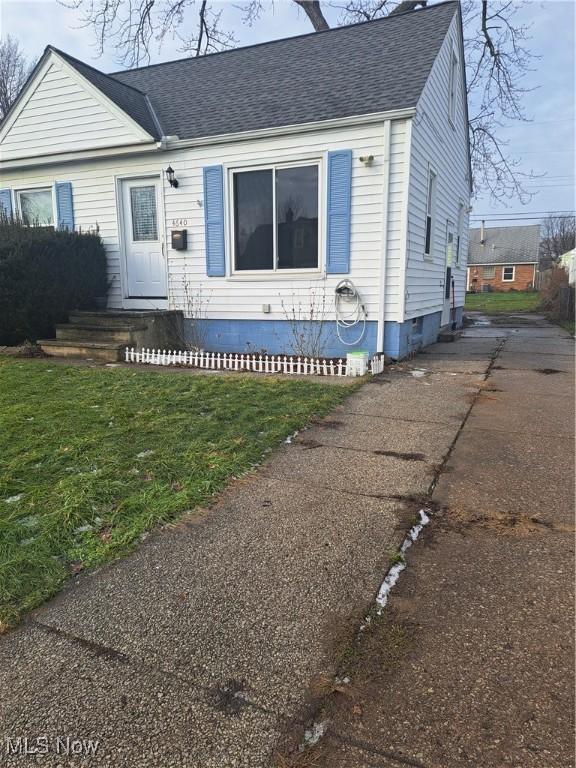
pixel 253 220
pixel 297 217
pixel 36 207
pixel 143 207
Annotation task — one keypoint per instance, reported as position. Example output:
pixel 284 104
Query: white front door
pixel 145 267
pixel 447 305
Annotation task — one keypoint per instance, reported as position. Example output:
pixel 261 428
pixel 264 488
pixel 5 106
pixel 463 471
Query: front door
pixel 145 265
pixel 446 307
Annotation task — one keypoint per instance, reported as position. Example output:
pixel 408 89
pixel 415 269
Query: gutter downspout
pixel 384 244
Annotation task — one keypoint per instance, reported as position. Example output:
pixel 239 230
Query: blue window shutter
pixel 64 205
pixel 6 202
pixel 339 194
pixel 214 220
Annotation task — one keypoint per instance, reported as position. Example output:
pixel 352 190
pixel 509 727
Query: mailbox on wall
pixel 179 239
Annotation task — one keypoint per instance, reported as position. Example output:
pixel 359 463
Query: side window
pixel 430 205
pixel 453 87
pixel 508 274
pixel 36 207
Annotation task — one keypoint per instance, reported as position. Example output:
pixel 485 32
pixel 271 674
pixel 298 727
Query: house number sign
pixel 179 222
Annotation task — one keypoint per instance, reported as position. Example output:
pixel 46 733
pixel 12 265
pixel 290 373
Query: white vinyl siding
pixel 437 144
pixel 242 297
pixel 396 218
pixel 61 115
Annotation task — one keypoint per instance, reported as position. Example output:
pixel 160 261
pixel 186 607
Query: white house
pixel 567 262
pixel 244 186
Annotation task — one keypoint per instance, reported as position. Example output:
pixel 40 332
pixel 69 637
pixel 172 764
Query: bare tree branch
pixel 14 71
pixel 558 236
pixel 496 52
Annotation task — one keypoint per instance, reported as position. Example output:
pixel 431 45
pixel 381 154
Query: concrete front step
pixel 104 335
pixel 110 319
pixel 96 333
pixel 108 352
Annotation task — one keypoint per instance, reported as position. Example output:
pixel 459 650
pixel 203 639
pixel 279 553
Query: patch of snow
pixel 393 574
pixel 29 522
pixel 290 438
pixel 314 734
pixel 390 581
pixel 13 499
pixel 84 528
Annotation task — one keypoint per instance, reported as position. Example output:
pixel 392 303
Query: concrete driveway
pixel 201 649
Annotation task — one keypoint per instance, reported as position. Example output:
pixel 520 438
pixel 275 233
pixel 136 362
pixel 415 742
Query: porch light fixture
pixel 170 175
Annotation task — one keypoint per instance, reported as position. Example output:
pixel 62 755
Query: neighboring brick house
pixel 503 258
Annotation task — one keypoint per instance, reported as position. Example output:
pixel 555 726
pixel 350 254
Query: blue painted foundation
pixel 401 339
pixel 276 337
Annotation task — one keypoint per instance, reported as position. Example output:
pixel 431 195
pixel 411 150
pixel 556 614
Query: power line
pixel 512 218
pixel 523 213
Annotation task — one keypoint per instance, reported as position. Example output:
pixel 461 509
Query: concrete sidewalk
pixel 200 649
pixel 473 662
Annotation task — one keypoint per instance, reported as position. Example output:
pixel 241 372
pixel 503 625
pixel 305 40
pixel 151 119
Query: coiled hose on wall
pixel 350 311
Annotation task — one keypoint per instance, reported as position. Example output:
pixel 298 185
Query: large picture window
pixel 36 207
pixel 276 218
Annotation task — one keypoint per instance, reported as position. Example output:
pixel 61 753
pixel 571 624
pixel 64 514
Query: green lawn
pixel 495 303
pixel 92 458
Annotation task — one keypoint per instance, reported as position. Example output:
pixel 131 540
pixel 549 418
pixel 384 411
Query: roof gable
pixel 59 110
pixel 504 245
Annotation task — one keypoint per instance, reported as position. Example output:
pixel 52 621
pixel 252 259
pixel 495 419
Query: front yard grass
pixel 496 303
pixel 91 459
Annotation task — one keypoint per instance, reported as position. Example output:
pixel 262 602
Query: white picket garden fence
pixel 216 361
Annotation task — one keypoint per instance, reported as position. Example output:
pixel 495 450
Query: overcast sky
pixel 544 145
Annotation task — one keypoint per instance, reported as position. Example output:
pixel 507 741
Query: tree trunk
pixel 314 12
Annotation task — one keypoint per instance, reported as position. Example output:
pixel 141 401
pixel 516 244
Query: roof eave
pixel 282 130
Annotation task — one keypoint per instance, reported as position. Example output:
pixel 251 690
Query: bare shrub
pixel 194 303
pixel 558 295
pixel 308 323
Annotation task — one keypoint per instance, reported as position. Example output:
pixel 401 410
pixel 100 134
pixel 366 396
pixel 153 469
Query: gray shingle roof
pixel 371 67
pixel 504 245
